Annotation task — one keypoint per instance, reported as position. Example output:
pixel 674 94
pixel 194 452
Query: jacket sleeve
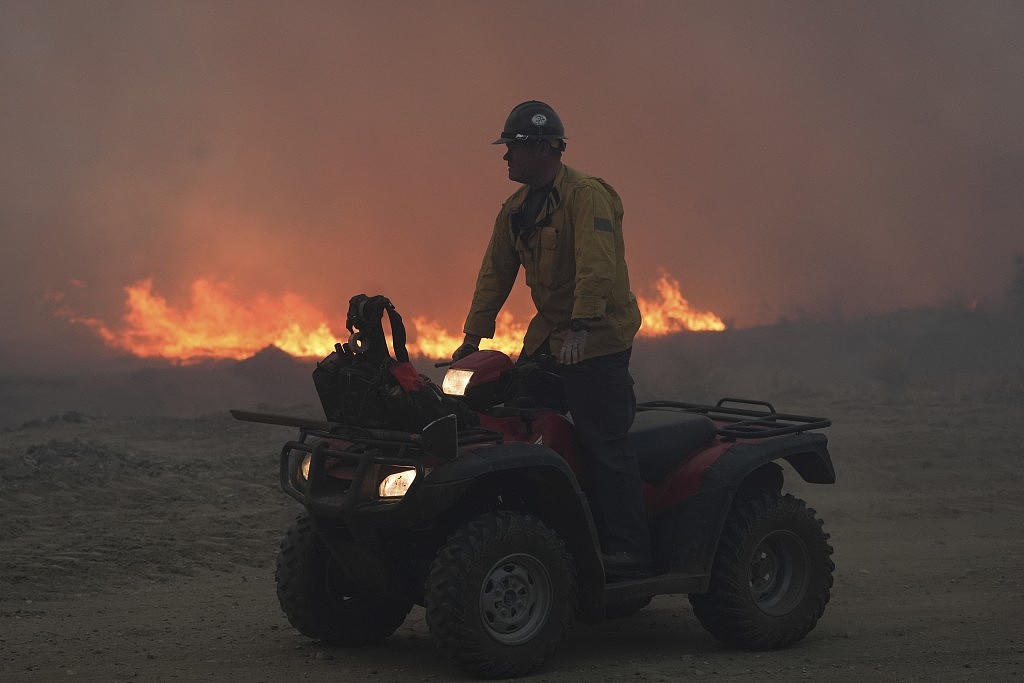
pixel 596 228
pixel 495 280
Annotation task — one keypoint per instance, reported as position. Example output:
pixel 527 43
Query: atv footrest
pixel 661 584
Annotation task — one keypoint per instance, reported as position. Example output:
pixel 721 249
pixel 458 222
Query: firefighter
pixel 564 228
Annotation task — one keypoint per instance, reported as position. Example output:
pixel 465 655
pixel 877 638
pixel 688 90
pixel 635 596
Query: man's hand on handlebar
pixel 469 345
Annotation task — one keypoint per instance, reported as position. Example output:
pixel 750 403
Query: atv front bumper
pixel 341 480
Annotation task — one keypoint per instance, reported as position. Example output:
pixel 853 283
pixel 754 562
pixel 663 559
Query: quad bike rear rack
pixel 738 418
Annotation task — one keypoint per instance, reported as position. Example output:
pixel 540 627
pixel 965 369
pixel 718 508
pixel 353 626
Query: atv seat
pixel 664 438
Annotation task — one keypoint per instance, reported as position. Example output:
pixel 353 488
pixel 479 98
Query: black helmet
pixel 532 121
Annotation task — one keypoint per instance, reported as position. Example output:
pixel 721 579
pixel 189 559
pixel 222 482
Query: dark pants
pixel 598 394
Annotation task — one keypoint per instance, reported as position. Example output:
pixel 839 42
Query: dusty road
pixel 143 549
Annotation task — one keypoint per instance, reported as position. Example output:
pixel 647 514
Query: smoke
pixel 778 159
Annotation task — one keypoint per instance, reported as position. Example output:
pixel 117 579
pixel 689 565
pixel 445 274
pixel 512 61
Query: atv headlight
pixel 397 484
pixel 456 381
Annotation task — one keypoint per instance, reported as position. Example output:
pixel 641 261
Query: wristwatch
pixel 577 324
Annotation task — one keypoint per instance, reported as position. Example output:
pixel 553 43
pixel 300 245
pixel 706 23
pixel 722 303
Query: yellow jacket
pixel 575 268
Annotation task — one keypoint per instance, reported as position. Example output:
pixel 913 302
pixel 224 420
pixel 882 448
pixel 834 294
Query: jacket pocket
pixel 552 269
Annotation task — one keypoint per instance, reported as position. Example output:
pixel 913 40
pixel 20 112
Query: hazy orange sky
pixel 777 158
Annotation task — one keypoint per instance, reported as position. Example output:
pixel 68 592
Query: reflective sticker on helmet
pixel 602 224
pixel 539 119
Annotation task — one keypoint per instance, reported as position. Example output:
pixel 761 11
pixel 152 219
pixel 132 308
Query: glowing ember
pixel 218 323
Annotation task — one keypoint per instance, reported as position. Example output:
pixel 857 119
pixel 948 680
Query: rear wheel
pixel 321 601
pixel 501 595
pixel 772 575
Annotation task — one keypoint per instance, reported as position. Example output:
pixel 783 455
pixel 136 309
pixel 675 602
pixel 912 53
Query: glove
pixel 464 351
pixel 572 347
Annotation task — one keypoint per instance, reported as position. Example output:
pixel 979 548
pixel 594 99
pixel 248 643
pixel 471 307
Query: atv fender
pixel 530 478
pixel 481 461
pixel 693 527
pixel 365 564
pixel 807 453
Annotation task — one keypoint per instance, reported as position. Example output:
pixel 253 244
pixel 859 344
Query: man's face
pixel 527 163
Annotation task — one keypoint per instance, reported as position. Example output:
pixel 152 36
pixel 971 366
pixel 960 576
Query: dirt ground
pixel 142 549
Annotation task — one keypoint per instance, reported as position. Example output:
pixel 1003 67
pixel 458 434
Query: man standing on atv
pixel 564 228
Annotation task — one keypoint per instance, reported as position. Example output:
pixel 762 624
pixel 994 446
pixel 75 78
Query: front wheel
pixel 321 601
pixel 501 595
pixel 772 575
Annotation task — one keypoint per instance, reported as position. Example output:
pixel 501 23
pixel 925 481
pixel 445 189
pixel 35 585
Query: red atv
pixel 487 524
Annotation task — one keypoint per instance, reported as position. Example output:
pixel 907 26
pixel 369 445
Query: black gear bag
pixel 361 384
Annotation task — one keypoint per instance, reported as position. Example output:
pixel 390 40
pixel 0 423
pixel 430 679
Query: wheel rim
pixel 778 573
pixel 515 599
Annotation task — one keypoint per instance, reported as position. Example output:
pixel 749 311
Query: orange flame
pixel 217 323
pixel 433 341
pixel 672 312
